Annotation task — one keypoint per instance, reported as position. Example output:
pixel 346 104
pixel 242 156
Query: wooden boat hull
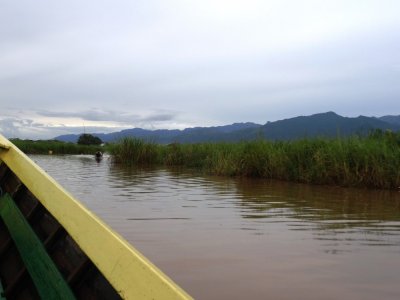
pixel 52 247
pixel 81 275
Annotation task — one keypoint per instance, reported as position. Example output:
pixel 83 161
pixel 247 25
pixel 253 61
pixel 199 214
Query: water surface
pixel 225 238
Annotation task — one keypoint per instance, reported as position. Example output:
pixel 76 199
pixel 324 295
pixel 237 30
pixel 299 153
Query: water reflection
pixel 369 217
pixel 341 218
pixel 210 233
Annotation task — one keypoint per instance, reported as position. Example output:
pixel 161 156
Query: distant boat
pixel 52 247
pixel 98 155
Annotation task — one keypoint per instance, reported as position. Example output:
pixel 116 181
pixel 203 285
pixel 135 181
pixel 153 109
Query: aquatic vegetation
pixel 134 151
pixel 54 147
pixel 369 161
pixel 363 161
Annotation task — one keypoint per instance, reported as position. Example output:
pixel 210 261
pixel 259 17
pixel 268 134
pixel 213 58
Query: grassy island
pixel 372 161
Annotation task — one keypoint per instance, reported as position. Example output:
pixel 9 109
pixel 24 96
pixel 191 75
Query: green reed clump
pixel 54 147
pixel 371 161
pixel 223 160
pixel 132 151
pixel 200 155
pixel 254 158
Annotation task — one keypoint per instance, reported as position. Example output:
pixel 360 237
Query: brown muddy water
pixel 225 238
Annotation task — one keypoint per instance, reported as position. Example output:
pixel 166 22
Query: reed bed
pixel 132 151
pixel 54 147
pixel 372 161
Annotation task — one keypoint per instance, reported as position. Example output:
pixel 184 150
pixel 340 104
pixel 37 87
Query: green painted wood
pixel 2 297
pixel 45 275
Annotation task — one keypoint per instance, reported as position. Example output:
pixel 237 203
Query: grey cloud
pixel 9 127
pixel 28 129
pixel 23 128
pixel 159 117
pixel 112 116
pixel 117 61
pixel 14 127
pixel 93 115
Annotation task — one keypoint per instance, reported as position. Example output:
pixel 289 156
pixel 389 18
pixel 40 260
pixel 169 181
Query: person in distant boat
pixel 98 155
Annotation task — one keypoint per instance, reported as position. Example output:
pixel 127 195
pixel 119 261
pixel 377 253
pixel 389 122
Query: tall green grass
pixel 372 161
pixel 132 151
pixel 56 147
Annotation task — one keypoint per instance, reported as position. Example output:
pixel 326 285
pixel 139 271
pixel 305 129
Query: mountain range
pixel 327 124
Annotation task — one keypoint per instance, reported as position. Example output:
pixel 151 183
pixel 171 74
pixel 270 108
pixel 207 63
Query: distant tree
pixel 88 139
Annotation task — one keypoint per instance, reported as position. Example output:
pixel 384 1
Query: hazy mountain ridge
pixel 327 124
pixel 391 119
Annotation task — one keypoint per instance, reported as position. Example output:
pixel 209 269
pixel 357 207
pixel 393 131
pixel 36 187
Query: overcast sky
pixel 109 65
